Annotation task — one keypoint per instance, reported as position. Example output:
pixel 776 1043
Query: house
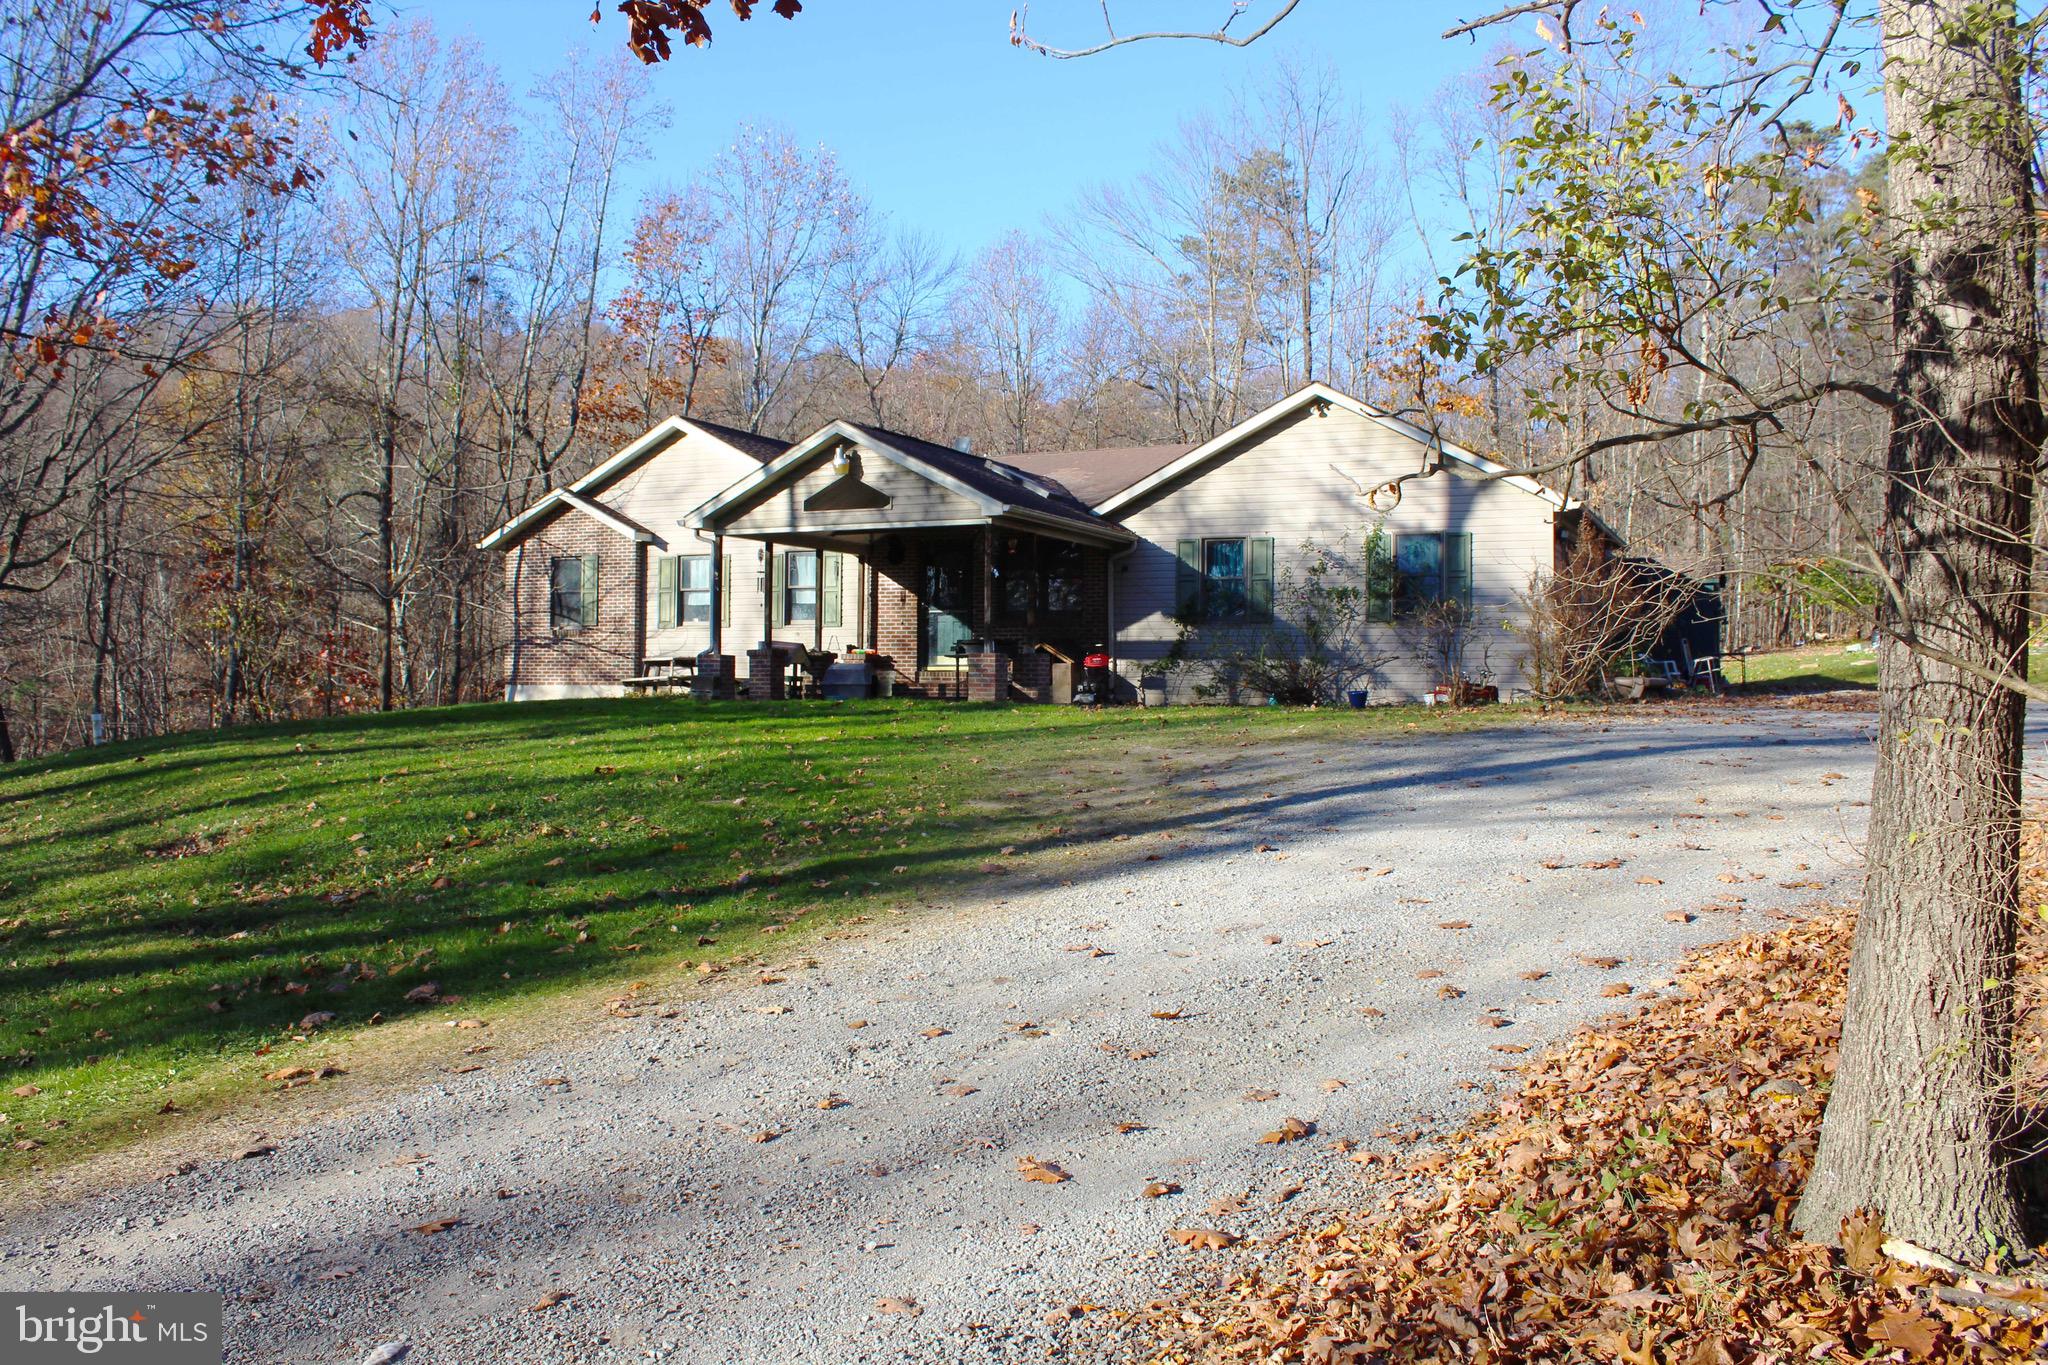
pixel 701 543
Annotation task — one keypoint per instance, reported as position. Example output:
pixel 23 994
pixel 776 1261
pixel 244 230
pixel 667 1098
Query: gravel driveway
pixel 1216 974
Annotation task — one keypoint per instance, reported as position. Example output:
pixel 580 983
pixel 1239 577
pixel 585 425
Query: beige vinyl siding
pixel 1301 480
pixel 913 501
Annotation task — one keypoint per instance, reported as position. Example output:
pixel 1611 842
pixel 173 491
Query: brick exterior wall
pixel 543 662
pixel 899 622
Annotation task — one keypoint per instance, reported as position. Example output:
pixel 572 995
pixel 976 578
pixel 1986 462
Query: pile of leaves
pixel 1632 1201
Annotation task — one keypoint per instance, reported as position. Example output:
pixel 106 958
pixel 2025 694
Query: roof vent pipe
pixel 965 445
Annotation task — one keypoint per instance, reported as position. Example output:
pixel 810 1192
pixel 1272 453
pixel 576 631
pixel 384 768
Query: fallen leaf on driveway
pixel 766 1135
pixel 553 1080
pixel 549 1300
pixel 1168 1014
pixel 1510 1047
pixel 1291 1129
pixel 1261 1096
pixel 1649 881
pixel 1616 988
pixel 434 1226
pixel 1370 1012
pixel 1678 916
pixel 1603 963
pixel 908 1308
pixel 1428 974
pixel 1455 924
pixel 1158 1189
pixel 1045 1172
pixel 936 1032
pixel 1202 1239
pixel 288 1073
pixel 832 1102
pixel 1602 864
pixel 1448 992
pixel 1493 1021
pixel 1332 1085
pixel 1534 976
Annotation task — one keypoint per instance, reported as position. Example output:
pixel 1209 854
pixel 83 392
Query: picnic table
pixel 679 671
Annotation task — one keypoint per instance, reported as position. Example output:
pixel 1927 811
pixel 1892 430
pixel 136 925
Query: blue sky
pixel 946 126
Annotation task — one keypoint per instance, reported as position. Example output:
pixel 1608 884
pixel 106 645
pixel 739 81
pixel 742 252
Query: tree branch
pixel 1021 37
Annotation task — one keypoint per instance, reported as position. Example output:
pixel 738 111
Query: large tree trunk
pixel 1920 1122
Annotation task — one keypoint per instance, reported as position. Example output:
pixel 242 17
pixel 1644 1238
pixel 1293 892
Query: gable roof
pixel 578 493
pixel 1192 463
pixel 994 487
pixel 1093 475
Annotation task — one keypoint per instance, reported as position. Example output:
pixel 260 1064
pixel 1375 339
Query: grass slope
pixel 1823 667
pixel 172 911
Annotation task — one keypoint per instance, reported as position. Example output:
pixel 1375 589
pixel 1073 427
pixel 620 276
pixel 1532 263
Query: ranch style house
pixel 724 560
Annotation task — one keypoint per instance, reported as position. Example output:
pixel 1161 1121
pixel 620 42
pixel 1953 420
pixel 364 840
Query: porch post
pixel 988 578
pixel 717 593
pixel 767 593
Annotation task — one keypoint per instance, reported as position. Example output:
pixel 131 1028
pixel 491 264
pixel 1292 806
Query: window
pixel 695 579
pixel 1421 572
pixel 1223 568
pixel 572 592
pixel 1037 578
pixel 800 586
pixel 1060 564
pixel 1225 579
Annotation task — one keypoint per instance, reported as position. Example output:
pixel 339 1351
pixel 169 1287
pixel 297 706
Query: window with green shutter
pixel 1225 579
pixel 1429 569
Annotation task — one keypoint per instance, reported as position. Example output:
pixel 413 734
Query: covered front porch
pixel 957 576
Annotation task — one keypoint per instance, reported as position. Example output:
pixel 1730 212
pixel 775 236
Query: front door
pixel 948 601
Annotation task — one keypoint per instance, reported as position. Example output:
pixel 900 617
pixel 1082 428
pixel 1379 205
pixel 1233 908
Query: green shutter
pixel 667 587
pixel 725 591
pixel 1258 577
pixel 1458 568
pixel 589 590
pixel 1187 581
pixel 1379 576
pixel 778 606
pixel 831 587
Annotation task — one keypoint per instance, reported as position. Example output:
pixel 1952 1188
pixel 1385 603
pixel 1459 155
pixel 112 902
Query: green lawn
pixel 172 910
pixel 1817 667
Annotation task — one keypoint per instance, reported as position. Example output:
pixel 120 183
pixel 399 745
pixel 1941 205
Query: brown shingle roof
pixel 1092 475
pixel 999 479
pixel 762 447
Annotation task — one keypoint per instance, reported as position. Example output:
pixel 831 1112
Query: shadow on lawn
pixel 504 927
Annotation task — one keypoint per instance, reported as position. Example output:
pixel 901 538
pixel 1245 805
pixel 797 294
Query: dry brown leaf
pixel 1160 1188
pixel 1603 963
pixel 549 1300
pixel 1168 1014
pixel 1455 924
pixel 1615 989
pixel 1291 1129
pixel 1649 881
pixel 435 1226
pixel 1044 1172
pixel 1202 1239
pixel 1534 976
pixel 1261 1096
pixel 901 1307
